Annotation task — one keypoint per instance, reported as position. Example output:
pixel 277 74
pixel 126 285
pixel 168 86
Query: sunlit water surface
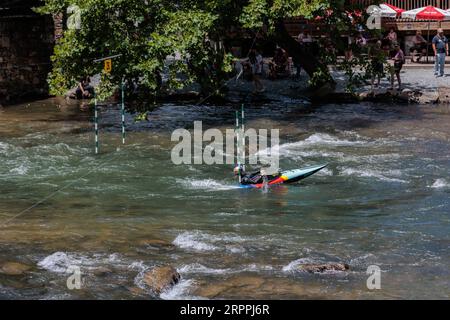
pixel 383 200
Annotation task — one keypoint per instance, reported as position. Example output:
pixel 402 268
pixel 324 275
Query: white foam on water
pixel 61 148
pixel 199 268
pixel 201 241
pixel 293 265
pixel 189 240
pixel 325 172
pixel 138 265
pixel 20 170
pixel 59 262
pixel 4 147
pixel 205 184
pixel 322 140
pixel 439 184
pixel 235 249
pixel 256 268
pixel 139 279
pixel 370 173
pixel 226 214
pixel 317 139
pixel 180 291
pixel 363 260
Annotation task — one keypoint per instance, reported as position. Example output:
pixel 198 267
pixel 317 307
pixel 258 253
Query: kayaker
pixel 251 178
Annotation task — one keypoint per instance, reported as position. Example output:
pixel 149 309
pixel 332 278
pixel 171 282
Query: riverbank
pixel 419 86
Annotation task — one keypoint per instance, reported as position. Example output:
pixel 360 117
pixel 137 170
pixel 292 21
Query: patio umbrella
pixel 390 11
pixel 427 13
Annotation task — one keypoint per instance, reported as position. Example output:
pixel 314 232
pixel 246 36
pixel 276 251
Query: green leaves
pixel 184 39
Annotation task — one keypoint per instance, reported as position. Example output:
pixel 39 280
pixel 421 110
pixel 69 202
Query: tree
pixel 147 32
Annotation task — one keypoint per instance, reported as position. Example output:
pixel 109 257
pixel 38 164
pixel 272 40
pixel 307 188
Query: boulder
pixel 161 278
pixel 101 271
pixel 324 267
pixel 156 243
pixel 444 94
pixel 136 291
pixel 13 268
pixel 428 97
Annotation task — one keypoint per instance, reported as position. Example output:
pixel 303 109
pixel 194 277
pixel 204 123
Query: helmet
pixel 236 170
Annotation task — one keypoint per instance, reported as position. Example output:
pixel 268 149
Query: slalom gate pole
pixel 123 113
pixel 243 136
pixel 237 146
pixel 96 123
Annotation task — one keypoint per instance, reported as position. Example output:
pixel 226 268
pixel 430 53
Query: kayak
pixel 288 176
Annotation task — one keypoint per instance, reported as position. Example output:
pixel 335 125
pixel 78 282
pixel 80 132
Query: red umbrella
pixel 388 10
pixel 426 13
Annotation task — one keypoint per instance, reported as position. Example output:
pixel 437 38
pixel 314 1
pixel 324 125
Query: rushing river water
pixel 383 200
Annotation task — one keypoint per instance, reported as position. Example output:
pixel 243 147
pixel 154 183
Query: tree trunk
pixel 301 55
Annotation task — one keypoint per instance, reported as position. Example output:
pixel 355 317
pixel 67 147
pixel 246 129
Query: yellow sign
pixel 107 66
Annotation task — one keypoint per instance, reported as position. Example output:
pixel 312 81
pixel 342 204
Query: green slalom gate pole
pixel 96 123
pixel 243 136
pixel 238 152
pixel 123 114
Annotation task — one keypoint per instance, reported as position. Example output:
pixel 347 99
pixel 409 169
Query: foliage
pixel 144 33
pixel 179 39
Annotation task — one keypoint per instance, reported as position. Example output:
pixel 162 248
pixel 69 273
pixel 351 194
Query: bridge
pixel 26 44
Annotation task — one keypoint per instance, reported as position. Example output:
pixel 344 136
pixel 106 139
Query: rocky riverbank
pixel 419 86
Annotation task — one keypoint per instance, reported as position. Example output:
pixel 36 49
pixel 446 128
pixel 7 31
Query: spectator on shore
pixel 392 37
pixel 399 60
pixel 256 61
pixel 279 63
pixel 84 89
pixel 304 38
pixel 377 57
pixel 440 48
pixel 419 46
pixel 349 52
pixel 360 40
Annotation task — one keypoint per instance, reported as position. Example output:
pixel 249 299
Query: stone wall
pixel 26 44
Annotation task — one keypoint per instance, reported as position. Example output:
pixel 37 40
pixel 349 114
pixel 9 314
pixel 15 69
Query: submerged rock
pixel 324 267
pixel 101 271
pixel 13 268
pixel 242 284
pixel 136 291
pixel 160 278
pixel 156 243
pixel 257 287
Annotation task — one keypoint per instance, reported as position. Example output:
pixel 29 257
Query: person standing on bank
pixel 256 62
pixel 440 48
pixel 399 60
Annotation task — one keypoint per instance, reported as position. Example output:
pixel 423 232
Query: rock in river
pixel 324 267
pixel 13 268
pixel 156 243
pixel 160 278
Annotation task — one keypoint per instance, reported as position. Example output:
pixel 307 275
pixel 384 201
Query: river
pixel 383 200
